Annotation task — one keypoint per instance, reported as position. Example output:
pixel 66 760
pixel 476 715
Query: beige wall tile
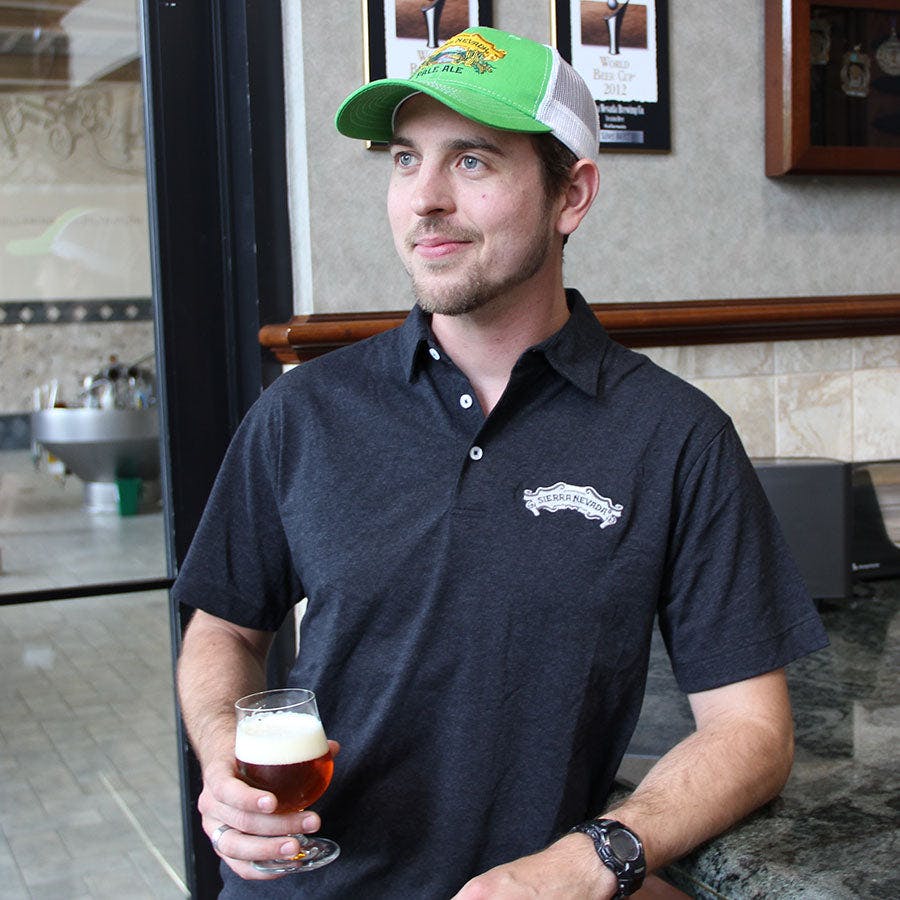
pixel 814 415
pixel 716 360
pixel 679 360
pixel 751 404
pixel 876 352
pixel 832 355
pixel 876 414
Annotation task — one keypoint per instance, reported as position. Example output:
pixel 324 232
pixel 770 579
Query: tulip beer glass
pixel 280 746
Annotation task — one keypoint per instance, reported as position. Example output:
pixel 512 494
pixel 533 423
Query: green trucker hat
pixel 492 77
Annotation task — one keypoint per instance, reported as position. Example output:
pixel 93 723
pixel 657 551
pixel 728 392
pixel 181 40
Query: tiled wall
pixel 832 398
pixel 828 398
pixel 74 341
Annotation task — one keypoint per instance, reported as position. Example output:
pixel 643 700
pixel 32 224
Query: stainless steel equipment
pixel 102 446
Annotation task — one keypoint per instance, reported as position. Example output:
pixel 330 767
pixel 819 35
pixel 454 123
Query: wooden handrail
pixel 654 324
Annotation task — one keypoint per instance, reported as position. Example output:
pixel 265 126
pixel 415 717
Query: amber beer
pixel 285 753
pixel 280 746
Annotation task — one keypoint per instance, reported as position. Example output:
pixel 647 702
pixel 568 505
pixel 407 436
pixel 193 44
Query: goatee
pixel 472 288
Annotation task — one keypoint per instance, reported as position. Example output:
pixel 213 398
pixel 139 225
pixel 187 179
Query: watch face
pixel 623 844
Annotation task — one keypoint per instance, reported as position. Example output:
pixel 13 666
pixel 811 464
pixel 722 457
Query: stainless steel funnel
pixel 101 446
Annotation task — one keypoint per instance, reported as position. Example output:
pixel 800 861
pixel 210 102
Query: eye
pixel 470 163
pixel 403 159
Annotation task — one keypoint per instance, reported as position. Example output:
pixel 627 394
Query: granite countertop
pixel 833 832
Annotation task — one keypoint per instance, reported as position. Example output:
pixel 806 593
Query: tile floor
pixel 47 540
pixel 89 795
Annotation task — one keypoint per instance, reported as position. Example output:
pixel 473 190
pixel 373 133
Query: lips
pixel 435 248
pixel 436 245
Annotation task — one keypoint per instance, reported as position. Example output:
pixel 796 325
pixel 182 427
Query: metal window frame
pixel 221 268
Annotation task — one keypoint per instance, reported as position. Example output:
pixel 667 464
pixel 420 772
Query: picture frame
pixel 809 59
pixel 400 34
pixel 621 49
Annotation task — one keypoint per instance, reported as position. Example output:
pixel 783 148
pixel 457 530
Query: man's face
pixel 467 207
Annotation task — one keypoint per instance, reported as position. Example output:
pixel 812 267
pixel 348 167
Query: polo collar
pixel 575 351
pixel 415 340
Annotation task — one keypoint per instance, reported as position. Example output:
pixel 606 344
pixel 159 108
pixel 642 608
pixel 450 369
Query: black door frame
pixel 221 266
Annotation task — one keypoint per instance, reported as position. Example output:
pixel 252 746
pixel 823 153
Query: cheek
pixel 513 217
pixel 396 219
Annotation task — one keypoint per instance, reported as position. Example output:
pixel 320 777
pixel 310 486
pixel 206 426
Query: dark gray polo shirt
pixel 482 590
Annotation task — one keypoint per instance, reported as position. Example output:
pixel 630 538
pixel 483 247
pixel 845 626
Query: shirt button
pixel 465 401
pixel 476 453
pixel 434 353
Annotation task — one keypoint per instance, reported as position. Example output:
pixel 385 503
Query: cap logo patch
pixel 584 500
pixel 466 49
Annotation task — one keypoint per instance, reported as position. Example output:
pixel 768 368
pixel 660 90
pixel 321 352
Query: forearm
pixel 738 758
pixel 704 785
pixel 218 664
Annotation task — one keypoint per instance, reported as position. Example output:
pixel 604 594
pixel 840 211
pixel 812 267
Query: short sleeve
pixel 734 603
pixel 239 566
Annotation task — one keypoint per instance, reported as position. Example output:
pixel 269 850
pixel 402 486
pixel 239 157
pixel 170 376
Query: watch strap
pixel 629 872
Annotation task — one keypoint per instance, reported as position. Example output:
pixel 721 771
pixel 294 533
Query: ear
pixel 579 195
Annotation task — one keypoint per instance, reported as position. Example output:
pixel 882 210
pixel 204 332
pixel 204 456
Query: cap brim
pixel 368 113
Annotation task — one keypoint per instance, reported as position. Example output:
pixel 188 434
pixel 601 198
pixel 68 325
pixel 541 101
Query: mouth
pixel 437 248
pixel 434 245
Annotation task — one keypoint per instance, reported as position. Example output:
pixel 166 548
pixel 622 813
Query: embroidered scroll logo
pixel 584 500
pixel 471 50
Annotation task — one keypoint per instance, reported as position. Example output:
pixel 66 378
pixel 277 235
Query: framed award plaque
pixel 621 49
pixel 832 87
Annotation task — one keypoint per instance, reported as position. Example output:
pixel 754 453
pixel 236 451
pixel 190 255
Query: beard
pixel 474 285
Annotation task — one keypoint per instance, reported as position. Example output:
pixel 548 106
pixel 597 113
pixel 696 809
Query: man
pixel 487 508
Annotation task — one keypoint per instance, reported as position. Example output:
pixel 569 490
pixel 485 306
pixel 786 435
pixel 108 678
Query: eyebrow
pixel 458 145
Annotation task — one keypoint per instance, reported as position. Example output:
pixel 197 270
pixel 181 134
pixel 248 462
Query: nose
pixel 432 194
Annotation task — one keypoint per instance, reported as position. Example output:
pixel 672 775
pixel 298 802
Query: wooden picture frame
pixel 790 149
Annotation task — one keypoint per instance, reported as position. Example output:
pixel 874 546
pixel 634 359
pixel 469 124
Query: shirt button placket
pixel 466 402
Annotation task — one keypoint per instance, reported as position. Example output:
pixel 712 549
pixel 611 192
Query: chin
pixel 449 306
pixel 452 299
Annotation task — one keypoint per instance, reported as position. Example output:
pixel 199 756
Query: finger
pixel 241 847
pixel 246 869
pixel 266 825
pixel 230 792
pixel 334 746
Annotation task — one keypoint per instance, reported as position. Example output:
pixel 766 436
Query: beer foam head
pixel 278 739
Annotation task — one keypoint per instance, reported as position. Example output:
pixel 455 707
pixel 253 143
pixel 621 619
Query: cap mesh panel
pixel 570 111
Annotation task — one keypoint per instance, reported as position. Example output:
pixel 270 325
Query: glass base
pixel 314 853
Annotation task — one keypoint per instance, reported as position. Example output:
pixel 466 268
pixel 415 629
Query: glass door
pixel 92 795
pixel 80 508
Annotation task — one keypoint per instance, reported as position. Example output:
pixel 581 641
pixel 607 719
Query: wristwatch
pixel 619 849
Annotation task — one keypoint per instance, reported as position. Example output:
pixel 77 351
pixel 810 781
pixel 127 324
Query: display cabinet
pixel 832 87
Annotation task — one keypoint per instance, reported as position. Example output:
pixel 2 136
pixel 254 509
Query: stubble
pixel 454 288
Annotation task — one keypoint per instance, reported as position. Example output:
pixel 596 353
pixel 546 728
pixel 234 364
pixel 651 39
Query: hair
pixel 556 161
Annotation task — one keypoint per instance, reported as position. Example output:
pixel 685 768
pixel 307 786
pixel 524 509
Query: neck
pixel 486 343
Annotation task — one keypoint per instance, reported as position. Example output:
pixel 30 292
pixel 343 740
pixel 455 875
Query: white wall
pixel 701 222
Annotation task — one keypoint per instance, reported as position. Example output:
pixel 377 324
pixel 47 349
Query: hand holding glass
pixel 280 746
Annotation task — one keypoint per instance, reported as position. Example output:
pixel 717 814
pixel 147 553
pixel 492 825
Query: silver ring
pixel 217 835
